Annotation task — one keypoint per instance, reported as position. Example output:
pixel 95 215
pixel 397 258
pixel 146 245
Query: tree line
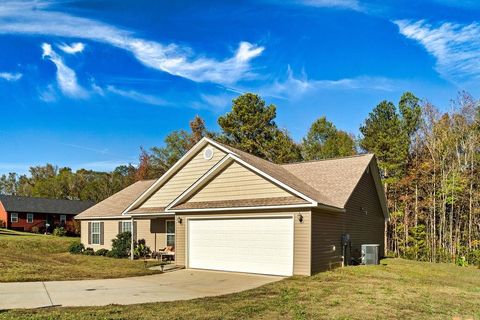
pixel 428 159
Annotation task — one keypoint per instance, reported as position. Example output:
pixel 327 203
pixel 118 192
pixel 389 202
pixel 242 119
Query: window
pixel 126 226
pixel 14 217
pixel 95 232
pixel 29 217
pixel 170 225
pixel 63 219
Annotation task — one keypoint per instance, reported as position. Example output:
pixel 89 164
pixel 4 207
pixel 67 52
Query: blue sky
pixel 86 83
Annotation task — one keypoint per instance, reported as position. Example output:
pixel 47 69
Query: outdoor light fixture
pixel 179 220
pixel 300 217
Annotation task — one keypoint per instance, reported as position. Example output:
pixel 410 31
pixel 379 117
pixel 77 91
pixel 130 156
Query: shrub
pixel 102 252
pixel 88 252
pixel 35 229
pixel 141 250
pixel 461 261
pixel 121 245
pixel 59 231
pixel 76 248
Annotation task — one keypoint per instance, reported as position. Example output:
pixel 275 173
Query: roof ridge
pixel 329 159
pixel 325 199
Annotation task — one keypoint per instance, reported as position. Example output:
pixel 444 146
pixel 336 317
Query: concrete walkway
pixel 175 285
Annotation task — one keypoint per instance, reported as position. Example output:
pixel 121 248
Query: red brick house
pixel 24 213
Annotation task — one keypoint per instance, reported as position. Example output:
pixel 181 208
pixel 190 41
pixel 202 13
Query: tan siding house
pixel 235 212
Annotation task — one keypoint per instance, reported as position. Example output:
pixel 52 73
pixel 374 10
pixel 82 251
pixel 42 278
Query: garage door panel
pixel 257 245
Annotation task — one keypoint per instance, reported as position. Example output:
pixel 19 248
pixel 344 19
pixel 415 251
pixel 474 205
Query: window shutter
pixel 119 227
pixel 89 233
pixel 134 231
pixel 101 233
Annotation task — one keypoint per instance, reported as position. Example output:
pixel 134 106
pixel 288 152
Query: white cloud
pixel 74 48
pixel 10 76
pixel 455 47
pixel 48 94
pixel 34 17
pixel 345 4
pixel 66 77
pixel 293 87
pixel 137 96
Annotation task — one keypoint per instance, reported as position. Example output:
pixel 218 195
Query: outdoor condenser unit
pixel 370 254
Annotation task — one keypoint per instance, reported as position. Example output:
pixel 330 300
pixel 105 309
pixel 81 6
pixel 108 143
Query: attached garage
pixel 256 245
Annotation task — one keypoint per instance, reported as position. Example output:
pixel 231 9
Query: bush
pixel 59 232
pixel 35 229
pixel 76 248
pixel 121 245
pixel 141 250
pixel 102 252
pixel 88 252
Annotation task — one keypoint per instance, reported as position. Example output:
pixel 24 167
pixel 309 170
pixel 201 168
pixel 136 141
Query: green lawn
pixel 396 289
pixel 32 257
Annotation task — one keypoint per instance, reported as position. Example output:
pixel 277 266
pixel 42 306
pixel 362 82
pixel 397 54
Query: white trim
pixel 198 184
pixel 139 215
pixel 16 217
pixel 188 218
pixel 306 205
pixel 122 228
pixel 29 215
pixel 169 233
pixel 160 214
pixel 102 218
pixel 166 175
pixel 99 233
pixel 272 179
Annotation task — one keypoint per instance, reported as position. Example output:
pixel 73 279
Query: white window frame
pixel 92 233
pixel 12 219
pixel 123 229
pixel 63 218
pixel 29 217
pixel 170 233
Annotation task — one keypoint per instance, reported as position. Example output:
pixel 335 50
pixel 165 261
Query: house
pixel 224 209
pixel 25 213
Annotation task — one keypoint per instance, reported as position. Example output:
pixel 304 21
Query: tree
pixel 383 135
pixel 324 141
pixel 250 127
pixel 176 145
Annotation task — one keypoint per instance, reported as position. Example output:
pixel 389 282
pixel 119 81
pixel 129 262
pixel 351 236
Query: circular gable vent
pixel 208 153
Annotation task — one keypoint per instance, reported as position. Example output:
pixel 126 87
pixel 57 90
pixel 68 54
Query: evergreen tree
pixel 250 127
pixel 324 141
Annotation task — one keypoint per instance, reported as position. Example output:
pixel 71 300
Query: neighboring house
pixel 24 213
pixel 224 209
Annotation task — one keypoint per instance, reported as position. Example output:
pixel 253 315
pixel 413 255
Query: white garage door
pixel 255 245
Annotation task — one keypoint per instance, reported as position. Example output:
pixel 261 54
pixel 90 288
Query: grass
pixel 396 289
pixel 33 257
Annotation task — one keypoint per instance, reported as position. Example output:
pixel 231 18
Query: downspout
pixel 131 239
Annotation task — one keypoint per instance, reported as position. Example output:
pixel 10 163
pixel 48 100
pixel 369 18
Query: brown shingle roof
pixel 241 203
pixel 117 203
pixel 334 178
pixel 147 210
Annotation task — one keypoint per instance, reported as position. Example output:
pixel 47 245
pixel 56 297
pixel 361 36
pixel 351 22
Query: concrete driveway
pixel 175 285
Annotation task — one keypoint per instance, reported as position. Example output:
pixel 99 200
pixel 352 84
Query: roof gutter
pixel 331 208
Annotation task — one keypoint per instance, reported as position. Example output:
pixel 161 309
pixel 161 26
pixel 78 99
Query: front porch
pixel 158 231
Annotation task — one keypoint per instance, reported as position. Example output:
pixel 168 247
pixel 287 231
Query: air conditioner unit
pixel 370 254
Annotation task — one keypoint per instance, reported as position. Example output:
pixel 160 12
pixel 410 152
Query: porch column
pixel 131 239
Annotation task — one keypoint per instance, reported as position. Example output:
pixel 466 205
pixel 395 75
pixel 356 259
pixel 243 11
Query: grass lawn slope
pixel 32 257
pixel 396 289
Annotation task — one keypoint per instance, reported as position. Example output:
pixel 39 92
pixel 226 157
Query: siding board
pixel 153 231
pixel 236 182
pixel 301 258
pixel 183 179
pixel 363 221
